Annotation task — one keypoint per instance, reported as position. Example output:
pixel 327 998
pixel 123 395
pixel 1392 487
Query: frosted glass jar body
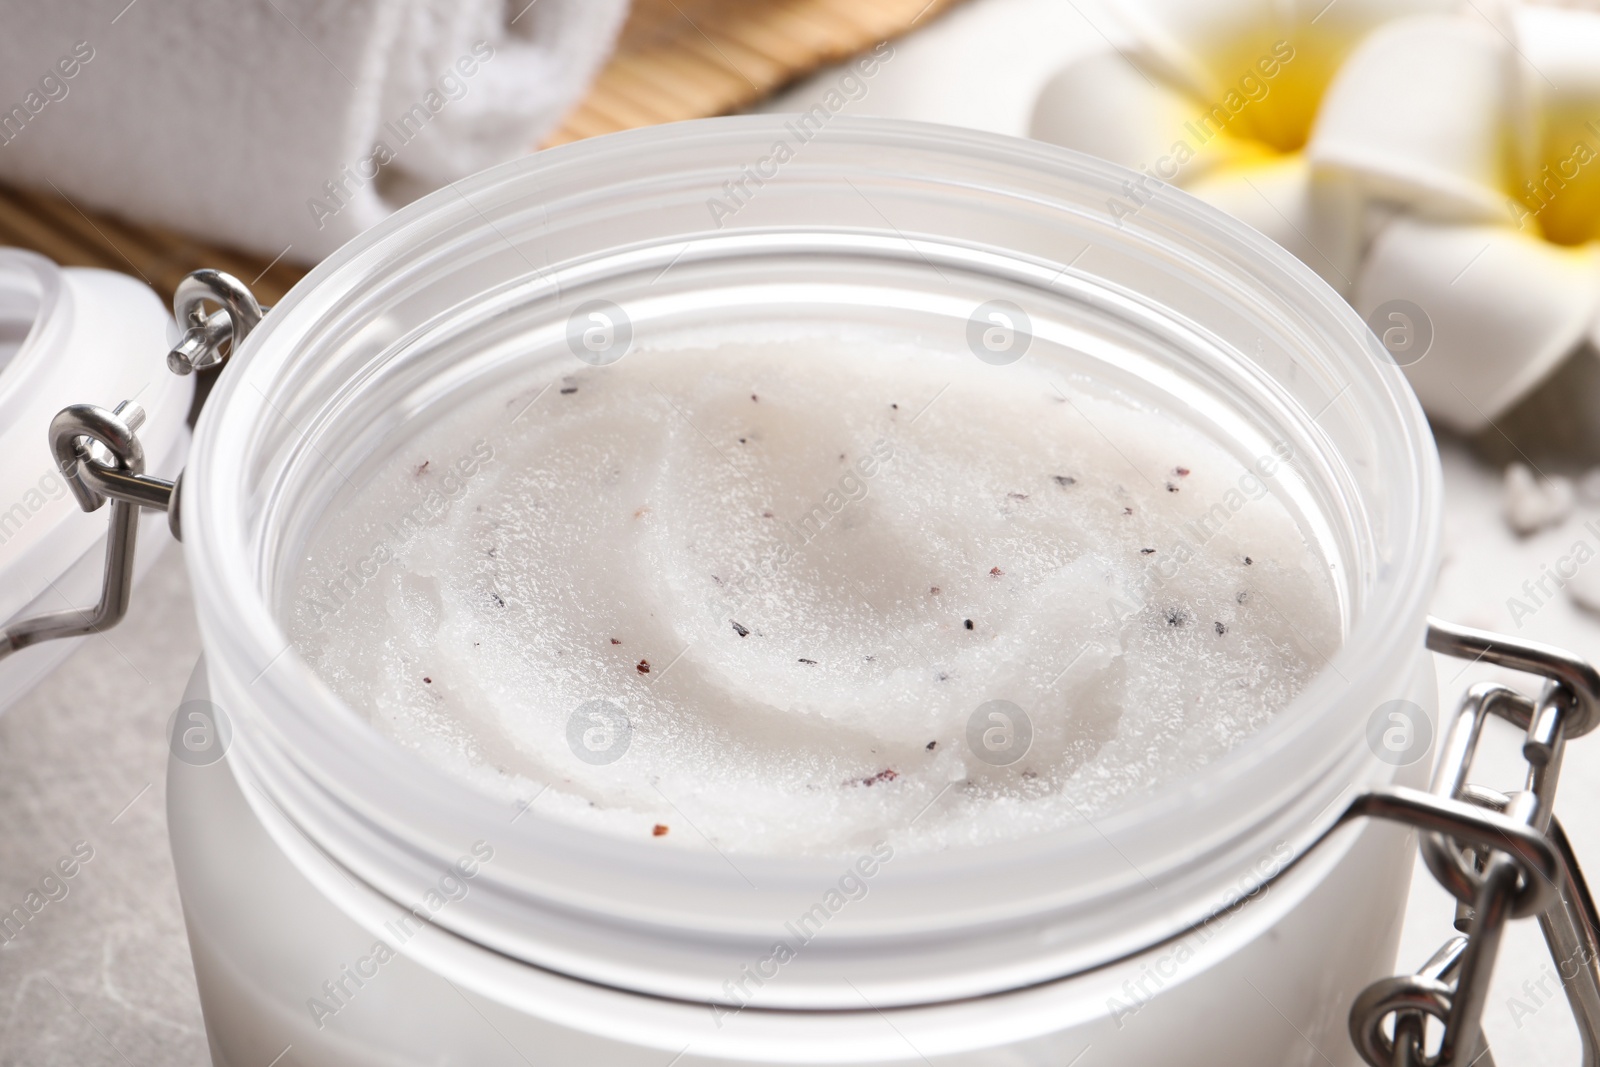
pixel 272 922
pixel 1221 919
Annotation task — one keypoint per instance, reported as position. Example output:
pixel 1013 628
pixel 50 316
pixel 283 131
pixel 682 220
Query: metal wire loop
pixel 116 431
pixel 1576 674
pixel 1403 996
pixel 205 335
pixel 1535 859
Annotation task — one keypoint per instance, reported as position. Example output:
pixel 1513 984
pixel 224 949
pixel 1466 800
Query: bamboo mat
pixel 685 59
pixel 676 59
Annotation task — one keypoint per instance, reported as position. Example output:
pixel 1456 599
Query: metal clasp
pixel 1501 856
pixel 99 454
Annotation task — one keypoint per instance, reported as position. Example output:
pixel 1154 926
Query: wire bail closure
pixel 1501 856
pixel 99 454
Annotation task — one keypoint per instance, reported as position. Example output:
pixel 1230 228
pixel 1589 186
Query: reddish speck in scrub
pixel 1182 472
pixel 885 775
pixel 641 511
pixel 996 572
pixel 422 468
pixel 933 591
pixel 615 641
pixel 427 681
pixel 661 829
pixel 755 398
pixel 643 666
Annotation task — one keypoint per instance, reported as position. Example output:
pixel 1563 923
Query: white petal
pixel 1561 51
pixel 1419 114
pixel 1504 308
pixel 1103 105
pixel 1313 216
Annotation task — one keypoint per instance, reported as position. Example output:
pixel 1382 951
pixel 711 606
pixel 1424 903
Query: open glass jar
pixel 358 904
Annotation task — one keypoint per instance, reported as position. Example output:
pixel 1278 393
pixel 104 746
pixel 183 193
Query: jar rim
pixel 339 782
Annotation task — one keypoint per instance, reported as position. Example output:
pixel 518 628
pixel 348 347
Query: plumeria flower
pixel 1436 161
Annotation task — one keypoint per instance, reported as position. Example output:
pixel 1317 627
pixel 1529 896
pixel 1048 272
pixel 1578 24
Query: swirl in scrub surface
pixel 764 599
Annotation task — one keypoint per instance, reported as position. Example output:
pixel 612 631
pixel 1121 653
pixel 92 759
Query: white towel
pixel 282 126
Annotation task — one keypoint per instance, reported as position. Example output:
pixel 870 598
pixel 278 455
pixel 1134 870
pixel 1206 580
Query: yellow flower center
pixel 1562 198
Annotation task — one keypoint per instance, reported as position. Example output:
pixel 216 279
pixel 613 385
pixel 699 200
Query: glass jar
pixel 354 904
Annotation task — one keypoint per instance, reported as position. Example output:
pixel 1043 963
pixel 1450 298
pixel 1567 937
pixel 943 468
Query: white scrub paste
pixel 765 599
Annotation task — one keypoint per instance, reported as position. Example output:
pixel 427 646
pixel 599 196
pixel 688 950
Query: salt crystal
pixel 1534 503
pixel 1584 588
pixel 1589 486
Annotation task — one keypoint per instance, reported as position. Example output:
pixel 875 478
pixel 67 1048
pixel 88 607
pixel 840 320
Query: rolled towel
pixel 284 127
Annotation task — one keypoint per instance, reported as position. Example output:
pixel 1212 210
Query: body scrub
pixel 806 596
